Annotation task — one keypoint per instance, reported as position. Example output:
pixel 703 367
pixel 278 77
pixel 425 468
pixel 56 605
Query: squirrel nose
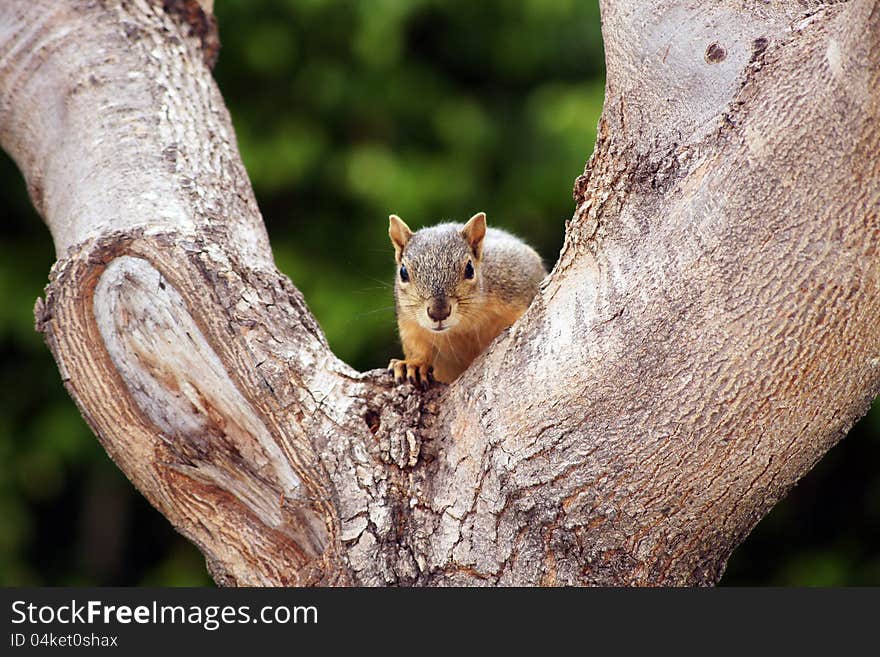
pixel 439 309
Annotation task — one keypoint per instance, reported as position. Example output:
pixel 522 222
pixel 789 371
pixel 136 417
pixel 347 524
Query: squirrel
pixel 457 286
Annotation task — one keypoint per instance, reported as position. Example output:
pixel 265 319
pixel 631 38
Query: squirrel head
pixel 438 282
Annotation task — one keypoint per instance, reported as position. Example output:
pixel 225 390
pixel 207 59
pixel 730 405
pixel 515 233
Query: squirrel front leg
pixel 417 366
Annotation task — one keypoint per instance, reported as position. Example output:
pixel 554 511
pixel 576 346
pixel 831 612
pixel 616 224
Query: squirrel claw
pixel 420 375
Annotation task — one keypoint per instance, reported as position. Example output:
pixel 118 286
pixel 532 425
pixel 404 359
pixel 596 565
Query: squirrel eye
pixel 404 274
pixel 469 270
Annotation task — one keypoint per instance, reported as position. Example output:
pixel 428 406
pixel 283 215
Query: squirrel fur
pixel 457 286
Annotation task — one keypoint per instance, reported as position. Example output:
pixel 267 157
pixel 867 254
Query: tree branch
pixel 707 334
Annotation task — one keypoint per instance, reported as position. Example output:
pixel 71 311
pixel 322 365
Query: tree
pixel 706 335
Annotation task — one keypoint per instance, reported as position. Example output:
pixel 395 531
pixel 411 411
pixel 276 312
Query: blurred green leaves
pixel 348 111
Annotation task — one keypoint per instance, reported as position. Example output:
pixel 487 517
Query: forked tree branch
pixel 708 332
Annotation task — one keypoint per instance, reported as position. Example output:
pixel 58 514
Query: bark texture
pixel 708 333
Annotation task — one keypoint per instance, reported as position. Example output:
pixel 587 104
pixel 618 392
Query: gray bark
pixel 708 332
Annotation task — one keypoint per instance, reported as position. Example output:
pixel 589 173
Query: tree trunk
pixel 708 333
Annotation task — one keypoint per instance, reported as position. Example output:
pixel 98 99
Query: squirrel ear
pixel 399 233
pixel 474 231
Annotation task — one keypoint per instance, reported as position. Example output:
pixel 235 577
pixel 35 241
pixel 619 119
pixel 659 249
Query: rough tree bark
pixel 709 331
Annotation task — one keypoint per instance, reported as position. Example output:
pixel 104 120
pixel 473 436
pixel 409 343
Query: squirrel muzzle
pixel 439 309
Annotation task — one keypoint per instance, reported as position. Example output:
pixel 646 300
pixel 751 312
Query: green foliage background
pixel 345 112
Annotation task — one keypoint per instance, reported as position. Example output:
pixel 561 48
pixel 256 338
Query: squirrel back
pixel 457 286
pixel 512 270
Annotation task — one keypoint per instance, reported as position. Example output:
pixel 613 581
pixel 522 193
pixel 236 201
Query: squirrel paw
pixel 418 374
